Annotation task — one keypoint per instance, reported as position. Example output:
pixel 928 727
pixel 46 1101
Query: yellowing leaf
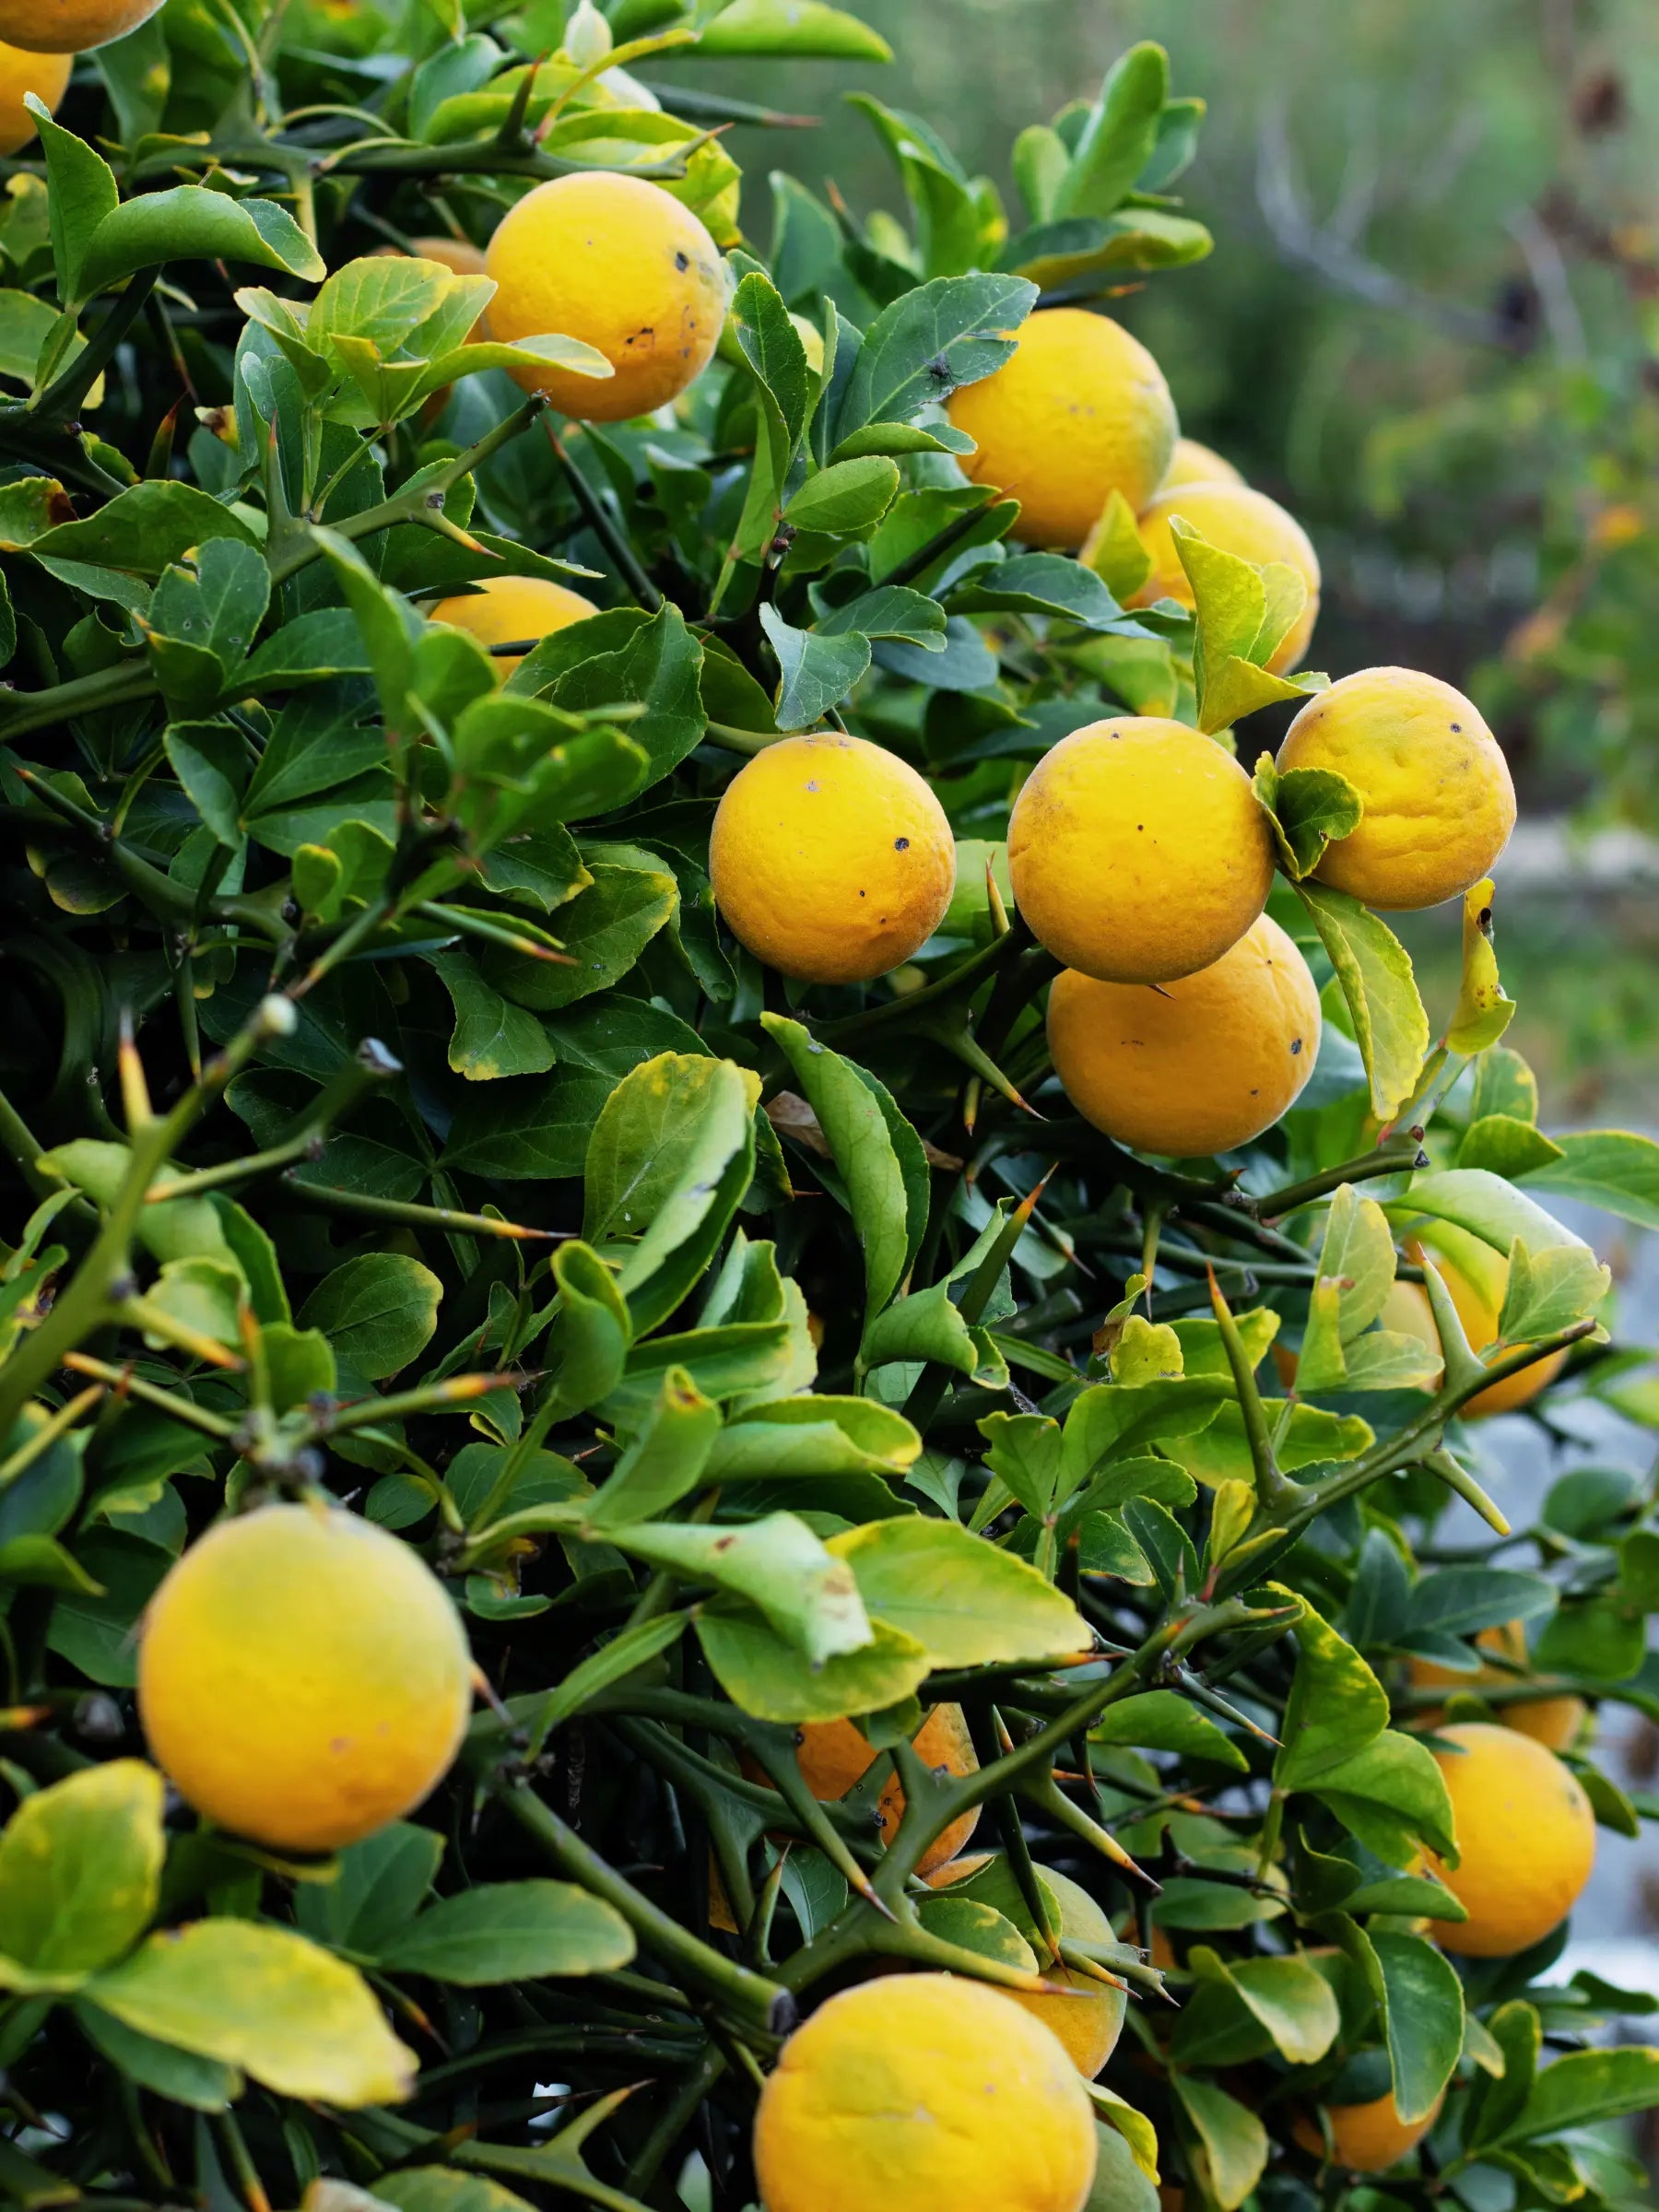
pixel 79 1866
pixel 1483 1012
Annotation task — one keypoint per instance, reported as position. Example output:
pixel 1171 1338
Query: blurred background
pixel 1430 327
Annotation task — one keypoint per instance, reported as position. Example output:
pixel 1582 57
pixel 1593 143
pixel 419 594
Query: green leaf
pixel 929 342
pixel 806 1593
pixel 1391 1795
pixel 1119 134
pixel 603 930
pixel 846 497
pixel 1308 808
pixel 528 1131
pixel 211 763
pixel 204 2085
pixel 492 1038
pixel 83 192
pixel 1161 1720
pixel 379 1886
pixel 1421 2002
pixel 1613 1169
pixel 1506 1145
pixel 813 1436
pixel 1549 1290
pixel 80 1867
pixel 1039 584
pixel 378 1311
pixel 512 1931
pixel 801 28
pixel 1584 2088
pixel 967 1603
pixel 191 223
pixel 1289 1998
pixel 1495 2104
pixel 664 1461
pixel 1336 1705
pixel 668 1131
pixel 1487 1207
pixel 145 529
pixel 587 1349
pixel 765 1675
pixel 1231 2143
pixel 625 1654
pixel 625 659
pixel 1374 971
pixel 262 1999
pixel 815 670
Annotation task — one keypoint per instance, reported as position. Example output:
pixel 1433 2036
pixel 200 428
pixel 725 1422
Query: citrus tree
pixel 745 1309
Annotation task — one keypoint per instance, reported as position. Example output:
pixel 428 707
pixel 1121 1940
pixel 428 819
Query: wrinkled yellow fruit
pixel 615 261
pixel 1553 1722
pixel 1137 851
pixel 1439 802
pixel 928 2092
pixel 834 1756
pixel 303 1677
pixel 1239 520
pixel 1080 411
pixel 1089 2021
pixel 1365 2138
pixel 1476 1277
pixel 70 26
pixel 505 610
pixel 1200 1065
pixel 44 75
pixel 1196 464
pixel 1525 1837
pixel 831 859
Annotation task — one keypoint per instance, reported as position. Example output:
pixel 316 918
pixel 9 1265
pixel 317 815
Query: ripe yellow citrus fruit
pixel 1553 1722
pixel 925 2092
pixel 1439 802
pixel 70 26
pixel 1368 2138
pixel 44 75
pixel 1239 520
pixel 1080 411
pixel 1476 1277
pixel 831 859
pixel 1525 1837
pixel 303 1677
pixel 615 261
pixel 458 255
pixel 507 609
pixel 1199 1065
pixel 1089 2022
pixel 834 1755
pixel 1137 851
pixel 1196 464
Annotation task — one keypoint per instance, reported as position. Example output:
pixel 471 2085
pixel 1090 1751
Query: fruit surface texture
pixel 1081 411
pixel 1137 851
pixel 1088 2017
pixel 615 261
pixel 1553 1722
pixel 925 2092
pixel 1199 1065
pixel 834 1756
pixel 831 858
pixel 1365 2138
pixel 508 610
pixel 1439 802
pixel 1239 520
pixel 44 75
pixel 70 26
pixel 302 1676
pixel 1525 1837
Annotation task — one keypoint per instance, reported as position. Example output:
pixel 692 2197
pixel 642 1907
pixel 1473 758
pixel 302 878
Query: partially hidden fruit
pixel 1553 1722
pixel 615 261
pixel 1476 1277
pixel 511 610
pixel 1439 802
pixel 1137 851
pixel 303 1678
pixel 458 255
pixel 1088 2019
pixel 831 859
pixel 1239 520
pixel 1200 1065
pixel 1080 411
pixel 70 26
pixel 1194 463
pixel 44 75
pixel 834 1756
pixel 1526 1839
pixel 1365 2138
pixel 928 2092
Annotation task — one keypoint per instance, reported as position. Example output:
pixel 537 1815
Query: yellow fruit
pixel 1199 1065
pixel 1089 2023
pixel 1080 411
pixel 1553 1722
pixel 1439 802
pixel 44 75
pixel 1366 2138
pixel 458 255
pixel 70 26
pixel 925 2092
pixel 507 609
pixel 615 261
pixel 831 860
pixel 834 1755
pixel 303 1677
pixel 1525 1836
pixel 1196 464
pixel 1476 1277
pixel 1137 851
pixel 1239 521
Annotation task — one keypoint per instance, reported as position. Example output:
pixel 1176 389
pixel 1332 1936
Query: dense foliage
pixel 386 1111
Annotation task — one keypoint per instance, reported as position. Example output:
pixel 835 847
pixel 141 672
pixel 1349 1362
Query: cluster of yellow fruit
pixel 38 41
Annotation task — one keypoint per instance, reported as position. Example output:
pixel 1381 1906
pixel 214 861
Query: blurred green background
pixel 1430 327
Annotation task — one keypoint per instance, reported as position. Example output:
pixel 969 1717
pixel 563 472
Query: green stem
pixel 599 521
pixel 674 2118
pixel 1397 1160
pixel 64 397
pixel 82 695
pixel 327 1199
